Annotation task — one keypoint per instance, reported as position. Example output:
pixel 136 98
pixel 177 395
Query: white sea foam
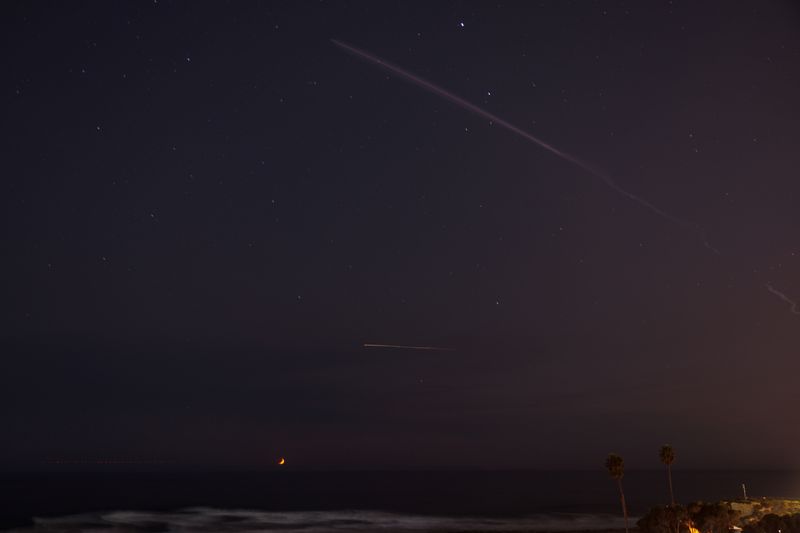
pixel 207 520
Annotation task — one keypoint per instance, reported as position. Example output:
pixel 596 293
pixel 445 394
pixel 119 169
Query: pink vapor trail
pixel 469 106
pixel 793 307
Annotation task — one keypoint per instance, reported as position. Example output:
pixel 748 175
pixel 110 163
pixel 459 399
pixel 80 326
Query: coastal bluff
pixel 754 509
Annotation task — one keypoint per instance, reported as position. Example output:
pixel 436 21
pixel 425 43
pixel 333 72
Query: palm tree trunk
pixel 622 500
pixel 669 477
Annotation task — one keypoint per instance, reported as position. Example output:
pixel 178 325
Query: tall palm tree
pixel 616 469
pixel 667 455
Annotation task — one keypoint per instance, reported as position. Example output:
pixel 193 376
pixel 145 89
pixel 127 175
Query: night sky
pixel 209 208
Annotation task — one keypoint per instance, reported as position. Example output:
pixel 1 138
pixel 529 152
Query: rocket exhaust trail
pixel 793 307
pixel 469 106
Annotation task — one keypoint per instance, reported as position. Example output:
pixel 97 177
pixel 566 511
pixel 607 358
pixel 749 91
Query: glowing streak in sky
pixel 469 106
pixel 794 308
pixel 403 347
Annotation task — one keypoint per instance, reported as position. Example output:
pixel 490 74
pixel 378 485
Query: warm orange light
pixel 281 461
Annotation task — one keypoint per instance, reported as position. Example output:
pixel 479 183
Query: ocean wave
pixel 208 520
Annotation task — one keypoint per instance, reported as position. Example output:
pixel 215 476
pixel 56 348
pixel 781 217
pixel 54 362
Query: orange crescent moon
pixel 281 461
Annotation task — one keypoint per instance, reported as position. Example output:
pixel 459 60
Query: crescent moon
pixel 281 461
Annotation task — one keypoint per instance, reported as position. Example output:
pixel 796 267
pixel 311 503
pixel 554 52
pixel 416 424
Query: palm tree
pixel 616 469
pixel 667 455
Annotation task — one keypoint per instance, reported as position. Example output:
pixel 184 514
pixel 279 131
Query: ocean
pixel 334 501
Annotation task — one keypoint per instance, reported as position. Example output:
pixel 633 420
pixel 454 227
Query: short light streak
pixel 610 182
pixel 405 347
